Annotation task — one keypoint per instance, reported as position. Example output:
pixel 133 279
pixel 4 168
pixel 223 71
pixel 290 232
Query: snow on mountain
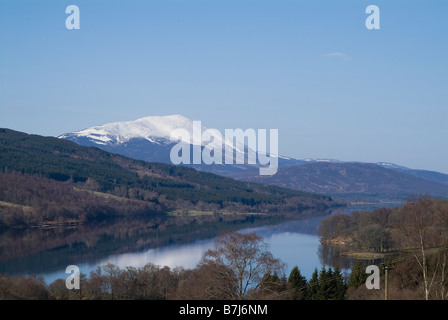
pixel 390 165
pixel 312 160
pixel 147 128
pixel 155 129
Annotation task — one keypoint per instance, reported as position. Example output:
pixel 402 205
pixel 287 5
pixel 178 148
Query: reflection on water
pixel 186 256
pixel 293 242
pixel 137 243
pixel 329 255
pixel 296 249
pixel 50 251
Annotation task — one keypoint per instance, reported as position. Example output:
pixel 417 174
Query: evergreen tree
pixel 340 287
pixel 313 286
pixel 298 282
pixel 272 283
pixel 325 284
pixel 270 280
pixel 358 276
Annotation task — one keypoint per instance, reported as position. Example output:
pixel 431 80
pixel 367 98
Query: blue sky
pixel 333 88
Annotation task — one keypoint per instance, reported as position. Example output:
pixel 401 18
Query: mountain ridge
pixel 350 178
pixel 138 145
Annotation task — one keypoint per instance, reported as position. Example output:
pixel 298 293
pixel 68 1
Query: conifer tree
pixel 298 282
pixel 325 284
pixel 313 286
pixel 358 275
pixel 340 287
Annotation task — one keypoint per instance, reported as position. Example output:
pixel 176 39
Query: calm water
pixel 293 242
pixel 290 242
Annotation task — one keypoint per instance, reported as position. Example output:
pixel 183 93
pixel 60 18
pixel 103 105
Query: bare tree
pixel 209 281
pixel 334 226
pixel 243 259
pixel 442 257
pixel 417 227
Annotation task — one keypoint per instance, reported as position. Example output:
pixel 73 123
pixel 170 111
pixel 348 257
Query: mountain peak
pixel 151 128
pixel 170 119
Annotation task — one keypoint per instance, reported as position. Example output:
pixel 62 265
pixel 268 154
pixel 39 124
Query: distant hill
pixel 425 174
pixel 351 178
pixel 46 178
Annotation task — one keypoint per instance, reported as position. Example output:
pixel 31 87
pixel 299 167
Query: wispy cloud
pixel 337 55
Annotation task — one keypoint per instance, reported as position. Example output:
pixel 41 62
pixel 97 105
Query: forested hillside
pixel 45 179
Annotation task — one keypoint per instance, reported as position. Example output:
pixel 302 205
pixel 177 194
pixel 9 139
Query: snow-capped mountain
pixel 155 129
pixel 149 138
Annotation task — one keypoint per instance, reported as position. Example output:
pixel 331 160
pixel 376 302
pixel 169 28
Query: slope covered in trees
pixel 44 179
